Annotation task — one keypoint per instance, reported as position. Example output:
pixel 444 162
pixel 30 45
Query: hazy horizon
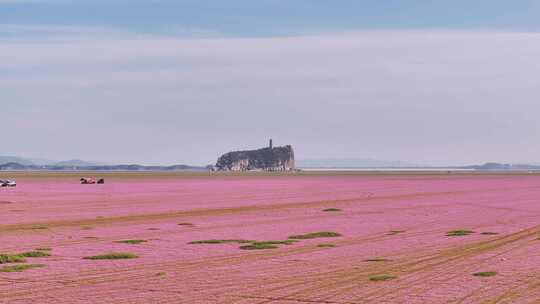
pixel 172 82
pixel 334 162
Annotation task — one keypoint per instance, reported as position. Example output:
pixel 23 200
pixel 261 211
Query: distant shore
pixel 119 175
pixel 416 169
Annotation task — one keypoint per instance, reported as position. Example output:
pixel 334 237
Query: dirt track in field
pixel 425 265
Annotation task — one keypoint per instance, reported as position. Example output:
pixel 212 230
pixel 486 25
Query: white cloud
pixel 431 96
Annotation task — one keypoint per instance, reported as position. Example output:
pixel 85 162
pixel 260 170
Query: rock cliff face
pixel 267 159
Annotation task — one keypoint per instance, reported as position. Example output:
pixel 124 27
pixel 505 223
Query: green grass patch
pixel 34 254
pixel 37 227
pixel 11 258
pixel 459 232
pixel 248 244
pixel 485 274
pixel 394 232
pixel 112 256
pixel 266 244
pixel 221 242
pixel 258 246
pixel 20 268
pixel 489 233
pixel 132 242
pixel 377 260
pixel 332 210
pixel 382 277
pixel 326 245
pixel 286 242
pixel 315 235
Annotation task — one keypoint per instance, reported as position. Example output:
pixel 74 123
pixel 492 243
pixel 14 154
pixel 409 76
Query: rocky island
pixel 265 159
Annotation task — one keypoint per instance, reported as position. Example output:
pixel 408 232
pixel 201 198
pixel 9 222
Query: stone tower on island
pixel 265 159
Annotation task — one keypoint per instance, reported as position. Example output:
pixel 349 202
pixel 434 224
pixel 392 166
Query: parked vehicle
pixel 87 181
pixel 8 183
pixel 91 181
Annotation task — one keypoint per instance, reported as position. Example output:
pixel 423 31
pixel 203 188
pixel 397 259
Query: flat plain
pixel 286 238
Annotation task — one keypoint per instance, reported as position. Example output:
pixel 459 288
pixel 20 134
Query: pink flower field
pixel 393 238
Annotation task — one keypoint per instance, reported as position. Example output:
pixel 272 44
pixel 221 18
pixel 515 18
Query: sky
pixel 183 81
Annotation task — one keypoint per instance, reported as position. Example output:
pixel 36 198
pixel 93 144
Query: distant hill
pixel 14 166
pixel 15 159
pixel 502 167
pixel 77 163
pixel 361 163
pixel 46 162
pixel 20 167
pixel 267 159
pixel 21 163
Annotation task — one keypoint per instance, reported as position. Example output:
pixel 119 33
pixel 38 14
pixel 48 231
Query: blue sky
pixel 164 82
pixel 274 17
